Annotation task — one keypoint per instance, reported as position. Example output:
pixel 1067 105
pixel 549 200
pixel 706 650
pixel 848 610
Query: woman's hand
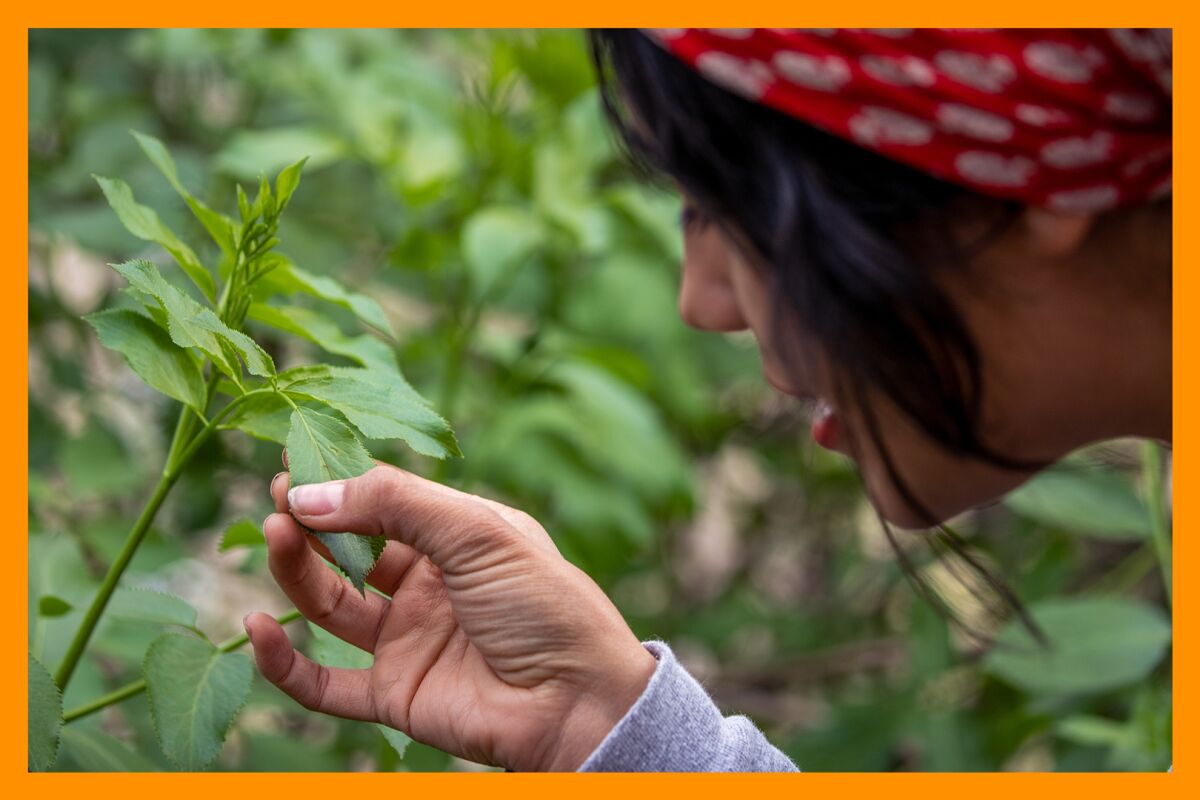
pixel 492 646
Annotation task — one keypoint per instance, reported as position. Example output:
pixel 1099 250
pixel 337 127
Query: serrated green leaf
pixel 150 306
pixel 151 354
pixel 381 405
pixel 143 222
pixel 1084 500
pixel 322 448
pixel 45 717
pixel 96 751
pixel 354 555
pixel 242 533
pixel 308 324
pixel 1094 644
pixel 288 278
pixel 399 740
pixel 192 325
pixel 264 416
pixel 219 227
pixel 195 693
pixel 147 605
pixel 50 606
pixel 286 183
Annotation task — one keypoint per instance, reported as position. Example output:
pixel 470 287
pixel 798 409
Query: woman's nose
pixel 709 304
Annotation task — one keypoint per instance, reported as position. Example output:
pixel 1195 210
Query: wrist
pixel 598 710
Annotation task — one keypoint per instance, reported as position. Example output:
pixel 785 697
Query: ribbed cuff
pixel 676 727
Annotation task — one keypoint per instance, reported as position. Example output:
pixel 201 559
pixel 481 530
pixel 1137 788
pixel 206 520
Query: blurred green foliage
pixel 466 180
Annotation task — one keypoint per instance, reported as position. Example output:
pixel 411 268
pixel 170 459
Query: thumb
pixel 457 531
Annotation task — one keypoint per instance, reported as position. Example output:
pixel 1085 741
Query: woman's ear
pixel 1055 234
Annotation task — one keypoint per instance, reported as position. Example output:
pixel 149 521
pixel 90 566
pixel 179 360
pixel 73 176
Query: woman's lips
pixel 826 426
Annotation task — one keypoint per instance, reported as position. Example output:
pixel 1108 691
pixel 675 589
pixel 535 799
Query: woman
pixel 956 242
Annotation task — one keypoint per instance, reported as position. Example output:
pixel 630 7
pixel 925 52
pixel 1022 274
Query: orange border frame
pixel 541 13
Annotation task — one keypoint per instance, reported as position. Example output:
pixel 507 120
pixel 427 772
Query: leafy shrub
pixel 194 351
pixel 464 181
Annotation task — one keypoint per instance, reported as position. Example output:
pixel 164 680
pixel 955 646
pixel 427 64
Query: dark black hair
pixel 850 242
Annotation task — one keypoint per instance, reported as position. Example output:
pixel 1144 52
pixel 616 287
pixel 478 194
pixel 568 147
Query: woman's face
pixel 721 291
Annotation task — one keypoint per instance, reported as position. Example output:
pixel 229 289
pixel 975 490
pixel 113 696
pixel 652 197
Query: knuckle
pixel 496 531
pixel 317 696
pixel 382 479
pixel 290 571
pixel 288 678
pixel 372 494
pixel 326 607
pixel 482 538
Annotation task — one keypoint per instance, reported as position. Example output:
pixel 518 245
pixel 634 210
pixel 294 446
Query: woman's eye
pixel 691 217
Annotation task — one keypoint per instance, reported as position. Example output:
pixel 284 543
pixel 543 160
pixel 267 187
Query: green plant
pixel 464 179
pixel 195 351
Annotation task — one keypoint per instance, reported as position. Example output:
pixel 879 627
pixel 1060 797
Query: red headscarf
pixel 1073 120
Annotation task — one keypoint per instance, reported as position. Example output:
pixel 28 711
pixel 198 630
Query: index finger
pixel 330 690
pixel 459 533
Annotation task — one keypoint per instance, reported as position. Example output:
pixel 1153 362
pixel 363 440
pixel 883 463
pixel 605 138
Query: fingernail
pixel 315 499
pixel 246 627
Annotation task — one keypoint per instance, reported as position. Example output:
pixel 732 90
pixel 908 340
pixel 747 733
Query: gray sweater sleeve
pixel 676 727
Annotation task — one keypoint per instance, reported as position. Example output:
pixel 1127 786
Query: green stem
pixel 183 427
pixel 139 686
pixel 183 447
pixel 112 698
pixel 213 425
pixel 1160 526
pixel 187 421
pixel 109 585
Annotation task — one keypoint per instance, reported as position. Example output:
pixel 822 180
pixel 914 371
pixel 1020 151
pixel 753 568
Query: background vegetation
pixel 466 181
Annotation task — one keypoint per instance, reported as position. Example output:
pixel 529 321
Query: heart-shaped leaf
pixel 195 693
